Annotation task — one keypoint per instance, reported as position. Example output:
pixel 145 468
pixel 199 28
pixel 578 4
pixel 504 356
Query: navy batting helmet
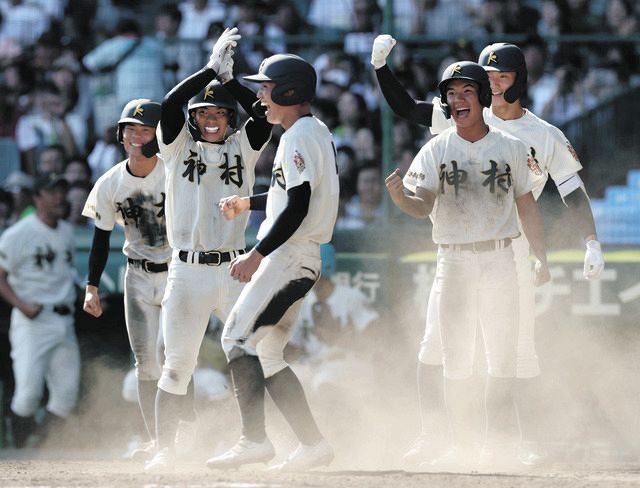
pixel 294 77
pixel 503 56
pixel 212 95
pixel 465 70
pixel 144 112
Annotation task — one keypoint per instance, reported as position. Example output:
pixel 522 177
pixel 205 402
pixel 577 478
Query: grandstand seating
pixel 617 215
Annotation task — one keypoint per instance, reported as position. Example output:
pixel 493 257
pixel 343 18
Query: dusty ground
pixel 20 469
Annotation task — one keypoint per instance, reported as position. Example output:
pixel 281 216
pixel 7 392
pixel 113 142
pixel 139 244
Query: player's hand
pixel 92 303
pixel 31 310
pixel 542 273
pixel 244 266
pixel 225 72
pixel 229 37
pixel 382 46
pixel 395 187
pixel 233 206
pixel 593 260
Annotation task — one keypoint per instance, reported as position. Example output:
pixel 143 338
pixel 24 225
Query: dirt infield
pixel 23 473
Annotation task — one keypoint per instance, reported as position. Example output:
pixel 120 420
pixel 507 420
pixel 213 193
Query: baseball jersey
pixel 551 152
pixel 137 204
pixel 39 261
pixel 198 175
pixel 306 153
pixel 475 184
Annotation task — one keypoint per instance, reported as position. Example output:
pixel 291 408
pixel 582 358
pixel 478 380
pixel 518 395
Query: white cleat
pixel 162 462
pixel 144 452
pixel 306 457
pixel 244 452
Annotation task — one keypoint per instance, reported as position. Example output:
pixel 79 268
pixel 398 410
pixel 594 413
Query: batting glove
pixel 225 72
pixel 229 37
pixel 593 261
pixel 382 46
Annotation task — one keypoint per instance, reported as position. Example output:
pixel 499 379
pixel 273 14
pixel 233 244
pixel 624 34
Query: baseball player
pixel 132 195
pixel 551 155
pixel 206 159
pixel 470 180
pixel 37 280
pixel 301 209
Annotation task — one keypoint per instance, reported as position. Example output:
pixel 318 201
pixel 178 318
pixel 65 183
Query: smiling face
pixel 273 114
pixel 134 136
pixel 500 82
pixel 212 122
pixel 463 102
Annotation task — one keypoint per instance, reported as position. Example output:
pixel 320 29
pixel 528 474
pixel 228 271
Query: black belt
pixel 149 266
pixel 62 309
pixel 211 258
pixel 481 246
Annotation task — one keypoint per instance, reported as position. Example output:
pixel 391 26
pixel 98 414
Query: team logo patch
pixel 139 111
pixel 208 93
pixel 298 160
pixel 492 58
pixel 572 151
pixel 457 69
pixel 532 162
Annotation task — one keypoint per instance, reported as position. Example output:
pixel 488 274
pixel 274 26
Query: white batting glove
pixel 382 46
pixel 593 261
pixel 229 37
pixel 225 71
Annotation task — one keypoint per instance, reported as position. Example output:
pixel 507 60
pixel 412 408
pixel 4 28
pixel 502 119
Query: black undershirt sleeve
pixel 288 221
pixel 258 201
pixel 402 104
pixel 98 255
pixel 172 117
pixel 258 129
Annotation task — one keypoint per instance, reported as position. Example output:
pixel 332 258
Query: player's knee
pixel 148 370
pixel 174 381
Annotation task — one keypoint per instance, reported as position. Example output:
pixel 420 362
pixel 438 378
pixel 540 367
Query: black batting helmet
pixel 294 77
pixel 144 112
pixel 139 111
pixel 212 95
pixel 466 70
pixel 503 56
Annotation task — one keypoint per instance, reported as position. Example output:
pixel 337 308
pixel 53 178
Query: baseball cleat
pixel 244 452
pixel 163 461
pixel 144 452
pixel 305 458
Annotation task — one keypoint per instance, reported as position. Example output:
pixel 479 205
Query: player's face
pixel 500 82
pixel 53 201
pixel 274 112
pixel 212 122
pixel 462 98
pixel 134 136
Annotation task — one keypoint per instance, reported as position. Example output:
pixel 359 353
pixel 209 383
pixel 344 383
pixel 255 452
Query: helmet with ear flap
pixel 141 111
pixel 465 70
pixel 505 57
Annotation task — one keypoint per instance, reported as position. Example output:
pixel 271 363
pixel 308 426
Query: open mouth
pixel 211 130
pixel 462 112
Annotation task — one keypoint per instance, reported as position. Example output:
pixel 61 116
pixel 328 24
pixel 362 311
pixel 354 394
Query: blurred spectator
pixel 352 115
pixel 286 21
pixel 335 15
pixel 621 18
pixel 365 207
pixel 22 21
pixel 77 169
pixel 570 98
pixel 46 124
pixel 6 209
pixel 65 74
pixel 46 50
pixel 167 23
pixel 450 18
pixel 132 66
pixel 20 186
pixel 106 153
pixel 76 198
pixel 541 83
pixel 197 17
pixel 15 100
pixel 52 159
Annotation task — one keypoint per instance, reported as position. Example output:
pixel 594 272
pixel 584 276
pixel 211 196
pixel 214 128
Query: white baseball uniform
pixel 474 218
pixel 261 322
pixel 137 204
pixel 198 175
pixel 551 154
pixel 39 262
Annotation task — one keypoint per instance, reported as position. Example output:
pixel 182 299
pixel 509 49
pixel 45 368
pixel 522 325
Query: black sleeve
pixel 258 201
pixel 288 221
pixel 416 112
pixel 258 129
pixel 98 255
pixel 581 214
pixel 173 118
